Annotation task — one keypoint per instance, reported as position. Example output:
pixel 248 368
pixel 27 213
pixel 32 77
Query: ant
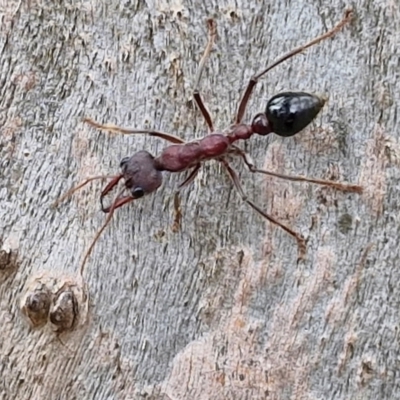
pixel 286 114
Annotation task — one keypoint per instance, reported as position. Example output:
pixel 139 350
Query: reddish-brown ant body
pixel 286 114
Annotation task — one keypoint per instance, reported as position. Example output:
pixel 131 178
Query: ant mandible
pixel 286 114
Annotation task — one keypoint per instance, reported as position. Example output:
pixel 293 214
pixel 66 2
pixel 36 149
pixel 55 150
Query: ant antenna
pixel 79 186
pixel 118 129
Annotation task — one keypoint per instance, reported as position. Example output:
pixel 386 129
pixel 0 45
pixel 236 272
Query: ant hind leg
pixel 177 201
pixel 301 243
pixel 342 186
pixel 212 33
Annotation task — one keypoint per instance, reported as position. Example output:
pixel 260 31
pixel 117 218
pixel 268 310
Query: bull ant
pixel 286 114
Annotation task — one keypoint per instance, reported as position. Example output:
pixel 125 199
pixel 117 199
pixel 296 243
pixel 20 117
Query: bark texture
pixel 220 309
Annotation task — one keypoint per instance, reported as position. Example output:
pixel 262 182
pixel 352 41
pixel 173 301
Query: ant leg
pixel 235 179
pixel 79 186
pixel 177 201
pixel 119 201
pixel 111 184
pixel 212 33
pixel 191 177
pixel 344 187
pixel 108 188
pixel 117 129
pixel 253 81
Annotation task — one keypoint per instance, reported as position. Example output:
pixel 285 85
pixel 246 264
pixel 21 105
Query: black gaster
pixel 290 112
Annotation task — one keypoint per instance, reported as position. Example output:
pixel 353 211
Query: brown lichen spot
pixel 366 372
pixel 35 305
pixel 176 12
pixel 347 353
pixel 373 172
pixel 9 133
pixel 345 223
pixel 26 80
pixel 179 12
pixel 9 130
pixel 64 310
pixel 383 95
pixel 109 64
pixel 160 235
pixel 232 13
pixel 175 70
pixel 392 150
pixel 80 145
pixel 220 378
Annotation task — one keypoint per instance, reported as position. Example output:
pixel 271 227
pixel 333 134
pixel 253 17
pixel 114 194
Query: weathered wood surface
pixel 220 309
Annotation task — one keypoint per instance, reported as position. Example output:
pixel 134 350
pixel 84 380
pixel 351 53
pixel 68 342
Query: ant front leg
pixel 177 201
pixel 344 187
pixel 107 189
pixel 301 243
pixel 253 81
pixel 191 177
pixel 212 32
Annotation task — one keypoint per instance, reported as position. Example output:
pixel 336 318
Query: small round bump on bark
pixel 64 311
pixel 36 305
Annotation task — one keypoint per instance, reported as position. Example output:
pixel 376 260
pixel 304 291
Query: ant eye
pixel 290 112
pixel 137 192
pixel 123 161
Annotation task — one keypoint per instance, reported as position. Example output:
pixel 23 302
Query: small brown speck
pixel 345 223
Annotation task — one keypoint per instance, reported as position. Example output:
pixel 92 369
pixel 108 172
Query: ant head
pixel 140 174
pixel 289 112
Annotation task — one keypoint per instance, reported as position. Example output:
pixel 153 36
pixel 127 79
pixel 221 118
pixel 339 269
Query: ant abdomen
pixel 290 112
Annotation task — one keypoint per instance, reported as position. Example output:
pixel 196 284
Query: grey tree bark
pixel 222 308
